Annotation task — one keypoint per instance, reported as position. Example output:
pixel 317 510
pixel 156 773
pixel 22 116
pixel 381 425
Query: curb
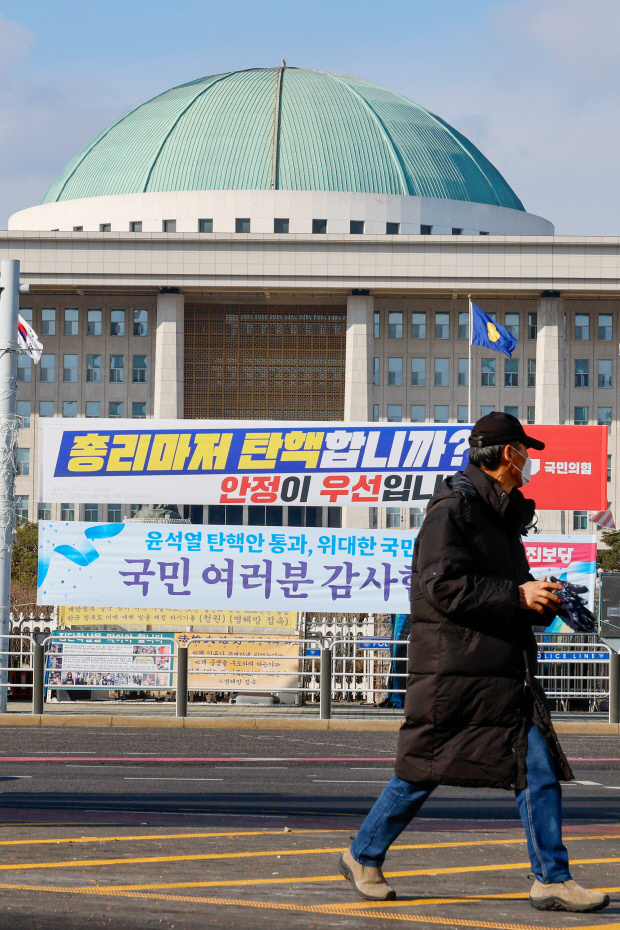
pixel 251 723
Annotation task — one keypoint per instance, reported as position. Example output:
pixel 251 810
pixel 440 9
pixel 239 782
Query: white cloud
pixel 15 41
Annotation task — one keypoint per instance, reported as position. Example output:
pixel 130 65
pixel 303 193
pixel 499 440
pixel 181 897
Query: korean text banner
pixel 224 621
pixel 110 660
pixel 221 567
pixel 569 558
pixel 318 464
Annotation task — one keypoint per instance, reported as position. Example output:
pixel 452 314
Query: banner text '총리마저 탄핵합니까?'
pixel 284 463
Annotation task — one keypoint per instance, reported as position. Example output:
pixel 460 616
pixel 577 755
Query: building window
pixel 442 372
pixel 26 314
pixel 442 326
pixel 392 229
pixel 531 414
pixel 488 372
pixel 70 368
pixel 394 413
pixel 105 227
pixel 78 229
pixel 605 327
pixel 582 327
pixel 93 368
pixel 532 325
pixel 392 518
pixel 376 324
pixel 117 369
pixel 319 226
pixel 242 224
pixel 114 513
pixel 580 519
pixel 395 372
pixel 138 410
pixel 48 322
pixel 441 413
pixel 71 322
pixel 24 368
pixel 117 322
pixel 418 372
pixel 93 408
pixel 356 227
pixel 374 518
pixel 605 372
pixel 513 411
pixel 418 413
pixel 141 322
pixel 511 372
pixel 609 467
pixel 462 413
pixel 115 408
pixel 376 371
pixel 463 372
pixel 139 369
pixel 69 408
pixel 21 507
pixel 531 372
pixel 483 233
pixel 23 461
pixel 582 372
pixel 46 372
pixel 604 417
pixel 457 231
pixel 395 325
pixel 264 516
pixel 512 324
pixel 486 409
pixel 280 225
pixel 463 324
pixel 375 413
pixel 23 410
pixel 205 225
pixel 91 513
pixel 46 408
pixel 44 511
pixel 418 325
pixel 135 226
pixel 581 416
pixel 416 518
pixel 169 226
pixel 94 323
pixel 426 230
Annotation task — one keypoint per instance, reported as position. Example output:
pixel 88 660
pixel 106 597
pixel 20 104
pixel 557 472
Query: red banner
pixel 571 471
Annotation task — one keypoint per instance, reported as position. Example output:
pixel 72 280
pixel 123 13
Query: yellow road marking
pixel 305 908
pixel 463 899
pixel 166 836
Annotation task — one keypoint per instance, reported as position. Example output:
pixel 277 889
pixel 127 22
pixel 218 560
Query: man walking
pixel 475 715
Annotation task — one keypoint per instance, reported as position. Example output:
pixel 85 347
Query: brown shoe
pixel 566 896
pixel 368 880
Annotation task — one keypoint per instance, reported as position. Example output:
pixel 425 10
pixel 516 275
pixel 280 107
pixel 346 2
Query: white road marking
pixel 166 778
pixel 345 781
pixel 597 784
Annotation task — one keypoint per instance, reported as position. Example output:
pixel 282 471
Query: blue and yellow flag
pixel 486 332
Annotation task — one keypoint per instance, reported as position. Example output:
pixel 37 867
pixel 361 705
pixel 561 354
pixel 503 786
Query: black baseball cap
pixel 498 429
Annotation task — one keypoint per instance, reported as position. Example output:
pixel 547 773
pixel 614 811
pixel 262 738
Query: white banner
pixel 216 567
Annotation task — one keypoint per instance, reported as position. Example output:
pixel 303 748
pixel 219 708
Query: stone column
pixel 357 394
pixel 550 375
pixel 169 356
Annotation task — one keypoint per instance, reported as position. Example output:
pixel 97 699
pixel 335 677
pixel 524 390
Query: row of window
pixel 243 224
pixel 94 321
pixel 92 408
pixel 441 372
pixel 441 412
pixel 70 368
pixel 511 322
pixel 395 519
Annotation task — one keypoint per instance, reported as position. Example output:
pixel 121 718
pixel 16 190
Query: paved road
pixel 140 828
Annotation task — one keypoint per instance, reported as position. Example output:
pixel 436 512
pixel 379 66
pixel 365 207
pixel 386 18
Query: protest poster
pixel 229 663
pixel 132 661
pixel 306 463
pixel 568 558
pixel 226 621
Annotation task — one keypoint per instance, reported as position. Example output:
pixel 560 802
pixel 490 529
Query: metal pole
pixel 470 378
pixel 614 687
pixel 182 682
pixel 325 688
pixel 9 309
pixel 38 677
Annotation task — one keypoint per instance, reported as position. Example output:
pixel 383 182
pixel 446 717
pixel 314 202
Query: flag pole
pixel 470 379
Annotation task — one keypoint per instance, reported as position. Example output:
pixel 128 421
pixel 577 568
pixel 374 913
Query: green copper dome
pixel 283 129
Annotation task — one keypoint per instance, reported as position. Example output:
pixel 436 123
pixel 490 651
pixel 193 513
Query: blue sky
pixel 534 83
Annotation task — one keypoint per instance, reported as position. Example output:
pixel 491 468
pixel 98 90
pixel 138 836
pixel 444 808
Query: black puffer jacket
pixel 471 688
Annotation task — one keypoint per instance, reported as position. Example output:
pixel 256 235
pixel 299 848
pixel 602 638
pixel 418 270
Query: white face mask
pixel 526 471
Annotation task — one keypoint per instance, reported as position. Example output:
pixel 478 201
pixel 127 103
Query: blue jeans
pixel 540 807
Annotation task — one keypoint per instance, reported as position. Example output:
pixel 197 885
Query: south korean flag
pixel 28 340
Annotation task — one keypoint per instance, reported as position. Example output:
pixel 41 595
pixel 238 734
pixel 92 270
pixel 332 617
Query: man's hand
pixel 536 595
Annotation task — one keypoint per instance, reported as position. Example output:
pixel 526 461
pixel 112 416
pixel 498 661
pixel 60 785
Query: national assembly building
pixel 288 244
